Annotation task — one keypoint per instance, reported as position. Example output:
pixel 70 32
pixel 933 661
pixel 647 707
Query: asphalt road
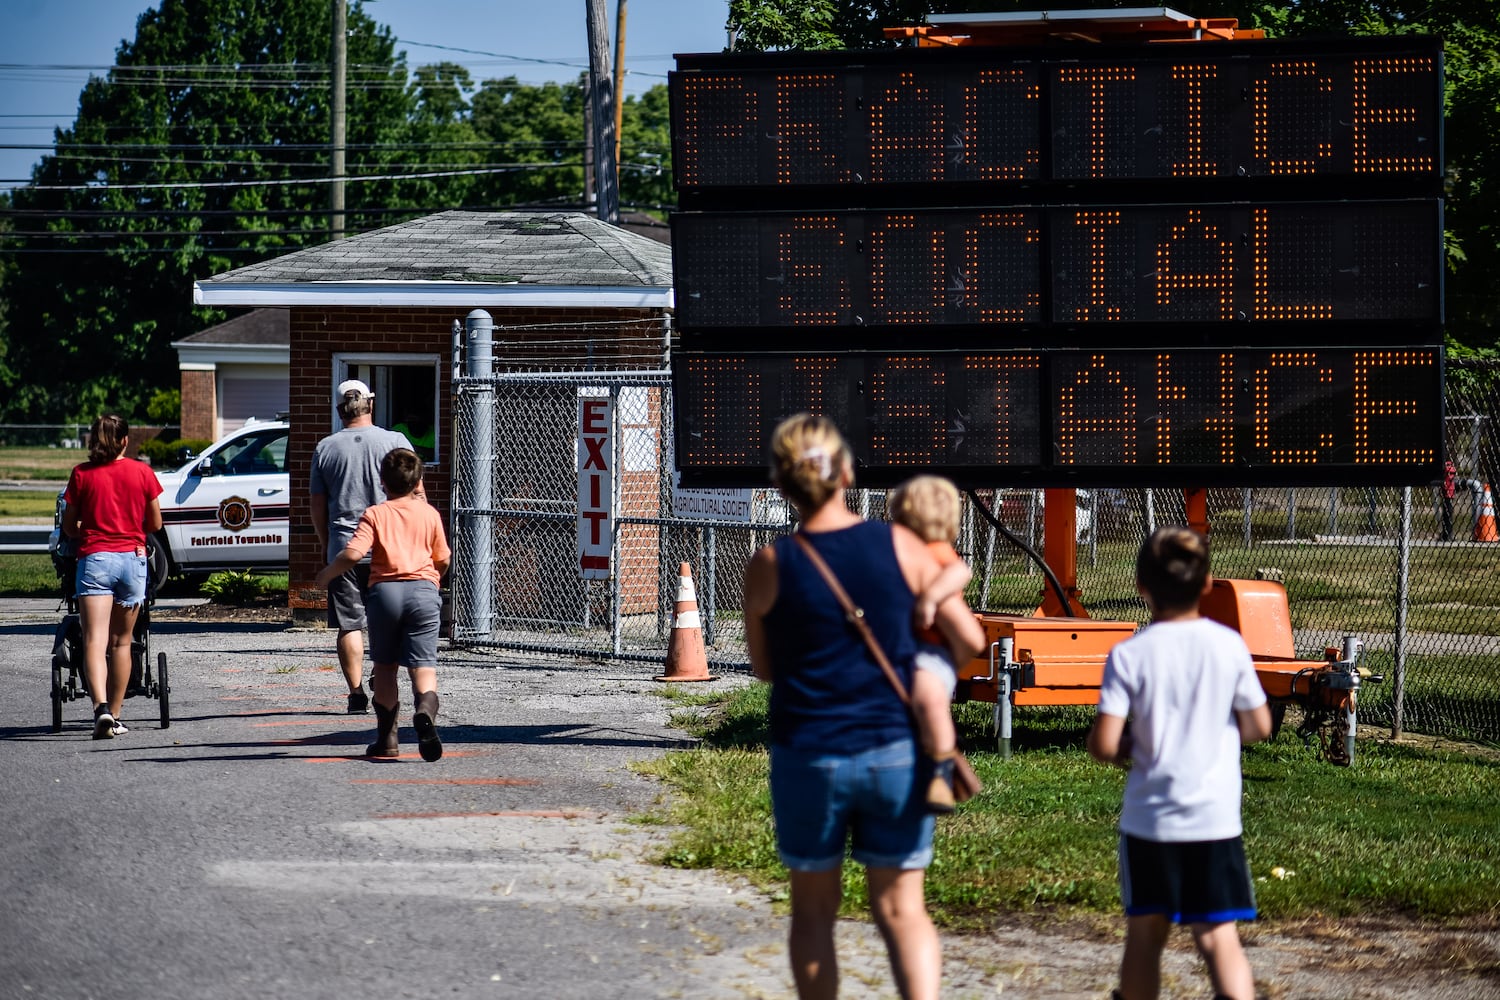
pixel 250 851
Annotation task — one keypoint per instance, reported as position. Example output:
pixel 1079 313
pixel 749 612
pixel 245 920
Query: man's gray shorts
pixel 346 599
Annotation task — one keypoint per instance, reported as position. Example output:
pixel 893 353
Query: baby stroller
pixel 69 682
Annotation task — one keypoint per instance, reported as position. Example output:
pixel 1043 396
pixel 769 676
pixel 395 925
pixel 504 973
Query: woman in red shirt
pixel 111 507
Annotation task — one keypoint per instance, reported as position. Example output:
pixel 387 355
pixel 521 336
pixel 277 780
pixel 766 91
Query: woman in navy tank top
pixel 844 762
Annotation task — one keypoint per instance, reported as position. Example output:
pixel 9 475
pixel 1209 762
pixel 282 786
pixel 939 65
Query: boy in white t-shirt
pixel 1189 688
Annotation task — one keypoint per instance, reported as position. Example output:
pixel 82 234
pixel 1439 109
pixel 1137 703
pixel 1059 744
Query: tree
pixel 537 129
pixel 211 136
pixel 646 150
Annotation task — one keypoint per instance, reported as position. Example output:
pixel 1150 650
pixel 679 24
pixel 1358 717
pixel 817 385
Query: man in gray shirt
pixel 345 480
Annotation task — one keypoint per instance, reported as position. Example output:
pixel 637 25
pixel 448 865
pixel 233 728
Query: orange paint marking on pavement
pixel 256 713
pixel 280 696
pixel 378 760
pixel 444 781
pixel 306 722
pixel 520 813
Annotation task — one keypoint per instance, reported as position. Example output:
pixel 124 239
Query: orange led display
pixel 1178 417
pixel 1065 265
pixel 1351 109
pixel 1309 263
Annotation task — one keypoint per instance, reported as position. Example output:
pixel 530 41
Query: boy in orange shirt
pixel 929 506
pixel 408 557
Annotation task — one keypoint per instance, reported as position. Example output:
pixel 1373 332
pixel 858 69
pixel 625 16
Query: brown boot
pixel 423 722
pixel 385 744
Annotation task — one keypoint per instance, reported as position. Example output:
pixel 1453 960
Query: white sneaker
pixel 120 729
pixel 104 726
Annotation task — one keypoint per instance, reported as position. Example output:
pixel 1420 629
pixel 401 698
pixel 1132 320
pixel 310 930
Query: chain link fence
pixel 1427 608
pixel 516 516
pixel 44 435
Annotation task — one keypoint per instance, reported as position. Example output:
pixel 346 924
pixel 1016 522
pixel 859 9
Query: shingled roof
pixel 482 258
pixel 259 327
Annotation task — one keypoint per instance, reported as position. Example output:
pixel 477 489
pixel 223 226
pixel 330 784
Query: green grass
pixel 27 575
pixel 1042 835
pixel 32 575
pixel 1349 587
pixel 39 463
pixel 1452 694
pixel 27 506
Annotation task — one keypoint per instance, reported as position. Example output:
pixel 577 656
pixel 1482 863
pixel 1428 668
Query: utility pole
pixel 619 81
pixel 338 63
pixel 602 101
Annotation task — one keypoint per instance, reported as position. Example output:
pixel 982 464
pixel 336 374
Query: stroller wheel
pixel 163 689
pixel 57 697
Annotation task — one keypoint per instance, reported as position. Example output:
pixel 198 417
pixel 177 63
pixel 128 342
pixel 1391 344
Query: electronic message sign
pixel 1354 110
pixel 1319 262
pixel 1110 417
pixel 1194 265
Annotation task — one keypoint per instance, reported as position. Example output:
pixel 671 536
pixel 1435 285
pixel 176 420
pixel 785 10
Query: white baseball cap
pixel 352 385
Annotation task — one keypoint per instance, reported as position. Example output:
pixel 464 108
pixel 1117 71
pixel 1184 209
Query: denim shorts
pixel 821 799
pixel 121 575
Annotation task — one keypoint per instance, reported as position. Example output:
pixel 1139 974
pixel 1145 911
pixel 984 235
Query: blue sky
pixel 40 37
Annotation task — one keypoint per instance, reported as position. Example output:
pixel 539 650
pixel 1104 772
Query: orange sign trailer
pixel 1056 656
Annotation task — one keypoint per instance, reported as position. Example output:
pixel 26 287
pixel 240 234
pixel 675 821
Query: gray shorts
pixel 405 618
pixel 346 599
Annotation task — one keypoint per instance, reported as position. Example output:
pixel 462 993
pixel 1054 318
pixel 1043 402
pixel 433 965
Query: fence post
pixel 616 485
pixel 1333 511
pixel 1031 505
pixel 989 558
pixel 1403 568
pixel 1246 496
pixel 1094 527
pixel 481 364
pixel 710 584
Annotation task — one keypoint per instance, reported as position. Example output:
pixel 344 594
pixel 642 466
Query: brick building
pixel 567 292
pixel 233 371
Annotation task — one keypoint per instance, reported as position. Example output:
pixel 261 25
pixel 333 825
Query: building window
pixel 406 395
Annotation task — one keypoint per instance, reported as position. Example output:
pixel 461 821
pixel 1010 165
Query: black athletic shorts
pixel 1195 882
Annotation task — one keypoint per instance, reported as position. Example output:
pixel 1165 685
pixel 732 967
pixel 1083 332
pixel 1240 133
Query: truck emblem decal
pixel 235 513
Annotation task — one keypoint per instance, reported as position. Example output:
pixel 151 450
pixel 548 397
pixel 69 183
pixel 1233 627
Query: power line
pixel 277 182
pixel 286 181
pixel 267 211
pixel 137 147
pixel 581 67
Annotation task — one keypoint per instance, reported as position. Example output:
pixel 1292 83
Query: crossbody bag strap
pixel 853 615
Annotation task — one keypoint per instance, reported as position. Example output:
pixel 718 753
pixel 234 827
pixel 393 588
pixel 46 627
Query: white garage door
pixel 243 398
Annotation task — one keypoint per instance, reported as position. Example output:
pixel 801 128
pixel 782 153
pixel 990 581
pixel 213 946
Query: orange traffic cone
pixel 686 658
pixel 1484 524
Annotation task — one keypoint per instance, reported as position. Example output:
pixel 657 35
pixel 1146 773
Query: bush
pixel 165 406
pixel 232 587
pixel 165 454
